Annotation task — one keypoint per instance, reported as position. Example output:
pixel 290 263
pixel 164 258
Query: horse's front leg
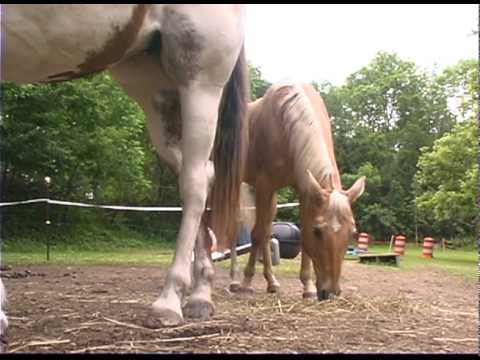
pixel 309 289
pixel 199 108
pixel 200 305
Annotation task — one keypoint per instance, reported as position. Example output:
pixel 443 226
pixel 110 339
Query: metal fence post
pixel 47 215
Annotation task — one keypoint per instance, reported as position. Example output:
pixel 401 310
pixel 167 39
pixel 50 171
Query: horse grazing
pixel 290 143
pixel 185 65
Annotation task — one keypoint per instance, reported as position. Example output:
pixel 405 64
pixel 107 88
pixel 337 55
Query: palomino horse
pixel 290 143
pixel 175 61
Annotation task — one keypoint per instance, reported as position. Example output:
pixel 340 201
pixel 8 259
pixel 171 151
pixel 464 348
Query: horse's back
pixel 67 41
pixel 288 115
pixel 49 42
pixel 268 153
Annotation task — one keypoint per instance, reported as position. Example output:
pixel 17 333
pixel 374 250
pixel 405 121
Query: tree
pixel 258 84
pixel 91 138
pixel 87 135
pixel 460 84
pixel 447 178
pixel 382 116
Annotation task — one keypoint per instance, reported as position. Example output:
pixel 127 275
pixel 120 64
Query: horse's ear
pixel 356 190
pixel 315 186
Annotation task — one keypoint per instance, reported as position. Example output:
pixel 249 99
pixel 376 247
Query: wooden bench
pixel 385 258
pixel 448 244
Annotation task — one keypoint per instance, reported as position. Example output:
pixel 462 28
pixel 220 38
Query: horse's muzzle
pixel 327 295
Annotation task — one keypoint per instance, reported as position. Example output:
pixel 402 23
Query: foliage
pixel 448 172
pixel 258 85
pixel 460 84
pixel 87 136
pixel 448 180
pixel 91 139
pixel 382 116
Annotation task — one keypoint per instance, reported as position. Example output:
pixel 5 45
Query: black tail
pixel 229 154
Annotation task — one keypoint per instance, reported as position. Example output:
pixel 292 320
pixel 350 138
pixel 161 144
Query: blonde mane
pixel 307 143
pixel 303 133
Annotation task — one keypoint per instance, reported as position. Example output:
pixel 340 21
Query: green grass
pixel 88 257
pixel 100 254
pixel 89 244
pixel 462 262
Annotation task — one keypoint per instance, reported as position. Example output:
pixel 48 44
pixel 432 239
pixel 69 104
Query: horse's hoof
pixel 234 287
pixel 325 295
pixel 3 343
pixel 309 295
pixel 199 309
pixel 246 290
pixel 157 318
pixel 273 289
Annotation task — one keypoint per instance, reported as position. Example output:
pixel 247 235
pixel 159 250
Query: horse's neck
pixel 313 154
pixel 326 136
pixel 306 130
pixel 266 148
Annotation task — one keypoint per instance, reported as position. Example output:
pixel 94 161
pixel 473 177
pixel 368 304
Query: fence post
pixel 391 242
pixel 47 215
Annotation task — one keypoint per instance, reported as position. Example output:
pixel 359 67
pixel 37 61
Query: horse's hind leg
pixel 265 212
pixel 199 104
pixel 234 269
pixel 273 285
pixel 200 305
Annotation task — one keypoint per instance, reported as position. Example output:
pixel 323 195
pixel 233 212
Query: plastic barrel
pixel 400 242
pixel 363 242
pixel 288 236
pixel 428 247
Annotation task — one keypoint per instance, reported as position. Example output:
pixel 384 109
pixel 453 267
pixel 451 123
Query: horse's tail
pixel 229 154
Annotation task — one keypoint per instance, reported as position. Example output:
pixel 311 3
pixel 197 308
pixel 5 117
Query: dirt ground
pixel 79 309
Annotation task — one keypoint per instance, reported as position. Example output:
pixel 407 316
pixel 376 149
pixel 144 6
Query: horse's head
pixel 328 225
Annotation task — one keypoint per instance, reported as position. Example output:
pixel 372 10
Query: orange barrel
pixel 363 242
pixel 428 247
pixel 399 247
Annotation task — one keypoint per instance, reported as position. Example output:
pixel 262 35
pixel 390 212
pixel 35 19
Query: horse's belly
pixel 44 41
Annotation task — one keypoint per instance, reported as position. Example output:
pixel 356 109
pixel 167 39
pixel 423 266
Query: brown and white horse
pixel 185 65
pixel 290 144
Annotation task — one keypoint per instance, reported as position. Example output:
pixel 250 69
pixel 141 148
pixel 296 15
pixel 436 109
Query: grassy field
pixel 86 257
pixel 460 261
pixel 463 262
